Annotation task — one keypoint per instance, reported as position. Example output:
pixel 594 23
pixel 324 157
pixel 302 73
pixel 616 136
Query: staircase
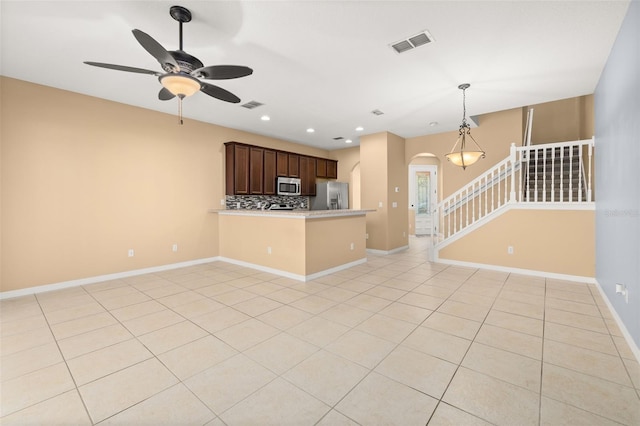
pixel 555 175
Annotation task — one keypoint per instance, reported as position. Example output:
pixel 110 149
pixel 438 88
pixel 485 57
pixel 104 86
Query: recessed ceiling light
pixel 348 141
pixel 310 130
pixel 265 118
pixel 359 129
pixel 433 123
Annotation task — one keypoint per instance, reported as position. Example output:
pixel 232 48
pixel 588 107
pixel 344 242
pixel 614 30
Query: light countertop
pixel 293 214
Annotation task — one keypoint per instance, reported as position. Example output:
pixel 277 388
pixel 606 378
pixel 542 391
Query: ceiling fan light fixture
pixel 181 85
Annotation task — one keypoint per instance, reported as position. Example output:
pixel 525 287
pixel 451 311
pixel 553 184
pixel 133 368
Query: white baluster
pixel 561 175
pixel 580 172
pixel 535 196
pixel 553 173
pixel 570 174
pixel 486 191
pixel 544 175
pixel 589 182
pixel 512 161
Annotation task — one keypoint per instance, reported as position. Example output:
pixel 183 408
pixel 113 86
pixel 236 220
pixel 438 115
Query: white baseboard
pixel 293 276
pixel 627 336
pixel 119 275
pixel 385 252
pixel 552 275
pixel 101 278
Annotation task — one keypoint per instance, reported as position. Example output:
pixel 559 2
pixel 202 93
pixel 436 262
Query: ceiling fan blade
pixel 165 94
pixel 219 93
pixel 222 72
pixel 157 51
pixel 122 68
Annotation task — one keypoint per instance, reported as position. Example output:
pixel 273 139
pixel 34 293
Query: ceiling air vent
pixel 252 105
pixel 339 138
pixel 412 42
pixel 377 112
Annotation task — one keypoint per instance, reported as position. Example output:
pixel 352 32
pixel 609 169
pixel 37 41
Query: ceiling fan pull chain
pixel 180 109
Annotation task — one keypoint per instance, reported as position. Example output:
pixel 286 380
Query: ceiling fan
pixel 181 70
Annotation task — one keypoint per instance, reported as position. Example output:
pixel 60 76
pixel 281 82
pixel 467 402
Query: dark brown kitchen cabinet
pixel 256 170
pixel 308 175
pixel 270 175
pixel 326 168
pixel 237 169
pixel 294 169
pixel 321 167
pixel 332 169
pixel 282 164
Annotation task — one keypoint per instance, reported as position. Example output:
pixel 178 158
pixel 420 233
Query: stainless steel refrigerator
pixel 331 196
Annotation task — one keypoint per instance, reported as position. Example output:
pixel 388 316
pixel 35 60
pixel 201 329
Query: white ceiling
pixel 323 64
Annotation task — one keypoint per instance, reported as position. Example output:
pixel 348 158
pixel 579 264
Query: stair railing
pixel 530 174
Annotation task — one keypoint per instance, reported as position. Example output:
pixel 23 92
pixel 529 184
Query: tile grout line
pixel 64 359
pixel 440 400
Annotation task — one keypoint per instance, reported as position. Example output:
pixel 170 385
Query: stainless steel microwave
pixel 288 186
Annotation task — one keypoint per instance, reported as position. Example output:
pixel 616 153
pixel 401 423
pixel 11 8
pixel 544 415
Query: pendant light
pixel 462 156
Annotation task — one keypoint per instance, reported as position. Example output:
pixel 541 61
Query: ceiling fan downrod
pixel 180 14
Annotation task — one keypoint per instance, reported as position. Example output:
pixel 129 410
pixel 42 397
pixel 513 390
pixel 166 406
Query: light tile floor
pixel 397 340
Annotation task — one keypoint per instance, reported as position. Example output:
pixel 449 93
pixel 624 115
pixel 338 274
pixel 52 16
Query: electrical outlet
pixel 130 254
pixel 268 250
pixel 353 246
pixel 238 205
pixel 174 247
pixel 623 290
pixel 510 250
pixel 222 202
pixel 366 236
pixel 379 203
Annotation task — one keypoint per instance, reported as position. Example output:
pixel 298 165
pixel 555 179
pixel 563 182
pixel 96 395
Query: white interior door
pixel 423 184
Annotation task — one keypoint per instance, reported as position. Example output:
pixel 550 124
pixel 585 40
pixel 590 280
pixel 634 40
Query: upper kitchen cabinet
pixel 294 165
pixel 237 169
pixel 254 170
pixel 332 169
pixel 270 173
pixel 282 164
pixel 326 168
pixel 307 175
pixel 321 167
pixel 244 169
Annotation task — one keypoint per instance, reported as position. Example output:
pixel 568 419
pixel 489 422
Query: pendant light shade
pixel 460 155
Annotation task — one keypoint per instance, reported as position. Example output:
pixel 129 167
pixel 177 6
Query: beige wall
pixel 382 169
pixel 397 177
pixel 556 241
pixel 563 120
pixel 373 187
pixel 246 238
pixel 85 179
pixel 298 246
pixel 328 242
pixel 348 159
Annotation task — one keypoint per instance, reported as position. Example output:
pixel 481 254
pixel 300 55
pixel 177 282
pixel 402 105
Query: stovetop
pixel 280 207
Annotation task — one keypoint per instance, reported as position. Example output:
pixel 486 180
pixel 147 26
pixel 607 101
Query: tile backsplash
pixel 256 202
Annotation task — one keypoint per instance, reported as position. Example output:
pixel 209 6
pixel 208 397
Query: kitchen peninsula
pixel 299 244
